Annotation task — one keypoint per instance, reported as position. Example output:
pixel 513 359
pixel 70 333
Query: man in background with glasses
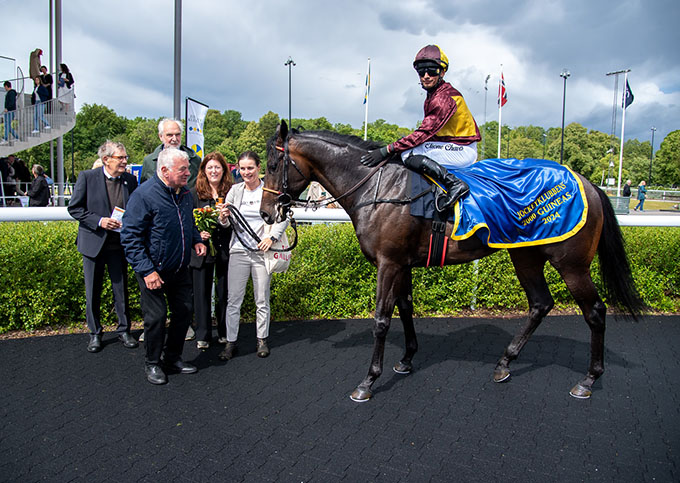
pixel 98 203
pixel 447 137
pixel 170 133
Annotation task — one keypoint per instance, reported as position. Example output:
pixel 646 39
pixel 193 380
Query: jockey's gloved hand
pixel 374 156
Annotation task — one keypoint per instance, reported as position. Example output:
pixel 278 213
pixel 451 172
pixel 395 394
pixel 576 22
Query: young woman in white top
pixel 248 261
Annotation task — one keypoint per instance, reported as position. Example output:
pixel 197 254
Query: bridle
pixel 285 200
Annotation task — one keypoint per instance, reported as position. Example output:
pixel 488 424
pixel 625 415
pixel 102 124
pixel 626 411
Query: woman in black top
pixel 212 184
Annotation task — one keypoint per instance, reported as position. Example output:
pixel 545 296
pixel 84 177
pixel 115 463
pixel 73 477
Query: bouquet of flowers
pixel 206 220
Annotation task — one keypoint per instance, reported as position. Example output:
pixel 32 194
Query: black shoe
pixel 262 349
pixel 179 366
pixel 454 187
pixel 155 375
pixel 228 352
pixel 95 344
pixel 128 341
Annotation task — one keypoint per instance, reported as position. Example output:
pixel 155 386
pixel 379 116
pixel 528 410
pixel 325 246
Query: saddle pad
pixel 513 203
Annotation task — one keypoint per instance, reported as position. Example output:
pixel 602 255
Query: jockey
pixel 447 137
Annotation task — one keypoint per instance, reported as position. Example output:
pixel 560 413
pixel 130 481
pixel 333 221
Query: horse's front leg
pixel 405 305
pixel 389 281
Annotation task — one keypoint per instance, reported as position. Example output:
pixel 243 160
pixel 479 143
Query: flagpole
pixel 368 85
pixel 623 125
pixel 500 111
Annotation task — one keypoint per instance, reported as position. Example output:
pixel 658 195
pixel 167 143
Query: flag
pixel 196 113
pixel 502 94
pixel 627 96
pixel 368 83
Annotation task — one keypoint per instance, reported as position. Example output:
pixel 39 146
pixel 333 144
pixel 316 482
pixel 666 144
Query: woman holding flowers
pixel 246 255
pixel 212 184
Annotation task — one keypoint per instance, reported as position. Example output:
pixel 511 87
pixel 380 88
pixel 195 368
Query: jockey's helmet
pixel 431 56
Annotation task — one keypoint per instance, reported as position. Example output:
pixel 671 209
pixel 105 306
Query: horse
pixel 395 242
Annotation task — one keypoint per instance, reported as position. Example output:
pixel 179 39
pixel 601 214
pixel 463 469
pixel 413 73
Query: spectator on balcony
pixel 47 81
pixel 39 192
pixel 8 113
pixel 38 99
pixel 65 87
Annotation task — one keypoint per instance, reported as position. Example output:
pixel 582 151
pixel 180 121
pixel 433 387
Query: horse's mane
pixel 340 139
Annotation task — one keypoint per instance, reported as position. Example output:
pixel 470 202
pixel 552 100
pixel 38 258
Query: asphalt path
pixel 68 415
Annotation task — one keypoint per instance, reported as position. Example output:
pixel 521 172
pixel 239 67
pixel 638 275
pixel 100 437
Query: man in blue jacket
pixel 158 236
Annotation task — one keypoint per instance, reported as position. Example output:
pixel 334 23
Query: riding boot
pixel 455 188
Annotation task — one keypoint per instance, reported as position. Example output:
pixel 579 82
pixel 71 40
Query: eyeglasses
pixel 431 71
pixel 173 134
pixel 120 158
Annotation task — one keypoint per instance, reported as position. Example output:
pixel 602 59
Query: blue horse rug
pixel 513 203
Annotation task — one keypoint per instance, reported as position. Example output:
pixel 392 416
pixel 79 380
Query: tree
pixel 666 168
pixel 94 125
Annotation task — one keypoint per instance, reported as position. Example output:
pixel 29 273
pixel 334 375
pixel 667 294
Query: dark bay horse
pixel 395 242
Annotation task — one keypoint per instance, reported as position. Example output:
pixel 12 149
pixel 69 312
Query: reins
pixel 238 220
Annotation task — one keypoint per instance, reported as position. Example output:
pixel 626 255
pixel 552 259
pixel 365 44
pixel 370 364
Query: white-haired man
pixel 158 236
pixel 170 133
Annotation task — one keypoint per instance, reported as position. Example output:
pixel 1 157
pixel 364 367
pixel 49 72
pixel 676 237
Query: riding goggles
pixel 431 71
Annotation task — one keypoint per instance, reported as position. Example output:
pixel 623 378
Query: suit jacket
pixel 90 203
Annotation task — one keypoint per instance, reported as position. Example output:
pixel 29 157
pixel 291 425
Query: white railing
pixel 322 215
pixel 33 125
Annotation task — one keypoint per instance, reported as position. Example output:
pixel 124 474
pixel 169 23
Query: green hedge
pixel 41 279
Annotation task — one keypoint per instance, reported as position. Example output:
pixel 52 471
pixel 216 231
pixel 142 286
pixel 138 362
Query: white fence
pixel 322 215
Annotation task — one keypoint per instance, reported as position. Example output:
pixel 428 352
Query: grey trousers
pixel 243 265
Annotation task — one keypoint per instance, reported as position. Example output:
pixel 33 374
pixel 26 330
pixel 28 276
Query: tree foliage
pixel 589 152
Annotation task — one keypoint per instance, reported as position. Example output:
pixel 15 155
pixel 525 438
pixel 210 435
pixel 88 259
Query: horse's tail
pixel 615 271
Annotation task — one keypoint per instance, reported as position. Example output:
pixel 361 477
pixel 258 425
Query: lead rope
pixel 239 223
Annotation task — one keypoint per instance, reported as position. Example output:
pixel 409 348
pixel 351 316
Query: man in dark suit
pixel 98 203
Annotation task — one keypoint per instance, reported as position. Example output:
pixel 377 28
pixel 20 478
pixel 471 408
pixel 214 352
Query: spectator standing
pixel 626 189
pixel 170 134
pixel 212 185
pixel 98 199
pixel 8 113
pixel 158 236
pixel 48 82
pixel 641 195
pixel 65 87
pixel 39 192
pixel 38 99
pixel 248 261
pixel 9 181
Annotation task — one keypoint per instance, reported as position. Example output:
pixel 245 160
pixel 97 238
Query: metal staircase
pixel 58 113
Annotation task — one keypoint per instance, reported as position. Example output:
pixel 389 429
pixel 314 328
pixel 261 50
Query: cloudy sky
pixel 121 54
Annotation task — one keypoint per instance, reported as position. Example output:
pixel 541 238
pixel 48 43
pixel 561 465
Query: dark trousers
pixel 203 283
pixel 93 271
pixel 177 289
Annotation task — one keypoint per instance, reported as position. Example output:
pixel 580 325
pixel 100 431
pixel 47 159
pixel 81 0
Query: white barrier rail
pixel 322 215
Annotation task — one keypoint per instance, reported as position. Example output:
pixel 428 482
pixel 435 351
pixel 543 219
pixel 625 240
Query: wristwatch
pixel 273 239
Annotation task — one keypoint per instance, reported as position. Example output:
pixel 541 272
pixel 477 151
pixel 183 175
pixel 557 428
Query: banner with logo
pixel 196 112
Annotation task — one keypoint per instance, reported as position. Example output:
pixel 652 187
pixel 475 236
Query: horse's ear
pixel 281 133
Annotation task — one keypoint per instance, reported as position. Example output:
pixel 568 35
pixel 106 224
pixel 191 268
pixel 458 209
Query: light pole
pixel 564 75
pixel 290 65
pixel 651 156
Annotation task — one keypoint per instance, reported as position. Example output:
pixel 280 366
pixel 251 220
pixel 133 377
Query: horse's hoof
pixel 361 395
pixel 501 375
pixel 402 368
pixel 580 392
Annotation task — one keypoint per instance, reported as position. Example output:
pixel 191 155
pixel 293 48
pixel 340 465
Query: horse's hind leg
pixel 405 306
pixel 594 311
pixel 390 281
pixel 529 268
